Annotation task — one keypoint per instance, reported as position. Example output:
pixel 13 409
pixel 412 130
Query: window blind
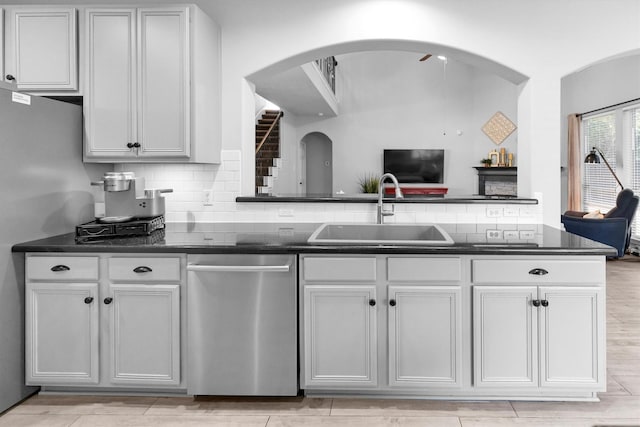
pixel 599 186
pixel 635 174
pixel 599 130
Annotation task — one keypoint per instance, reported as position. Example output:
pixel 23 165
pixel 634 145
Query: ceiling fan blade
pixel 427 56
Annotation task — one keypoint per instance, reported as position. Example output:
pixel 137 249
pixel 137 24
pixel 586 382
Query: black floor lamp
pixel 593 157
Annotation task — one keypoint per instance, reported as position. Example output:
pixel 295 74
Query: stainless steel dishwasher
pixel 242 325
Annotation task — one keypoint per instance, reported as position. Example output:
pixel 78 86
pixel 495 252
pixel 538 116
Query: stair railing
pixel 327 67
pixel 268 134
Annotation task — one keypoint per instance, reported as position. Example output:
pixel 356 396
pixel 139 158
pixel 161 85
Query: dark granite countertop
pixel 521 239
pixel 373 198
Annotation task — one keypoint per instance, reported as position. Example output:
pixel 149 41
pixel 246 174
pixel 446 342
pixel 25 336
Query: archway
pixel 317 161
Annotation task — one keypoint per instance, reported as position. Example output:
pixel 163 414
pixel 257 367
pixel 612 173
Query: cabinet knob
pixel 142 269
pixel 108 300
pixel 60 267
pixel 136 145
pixel 544 303
pixel 129 144
pixel 10 77
pixel 536 302
pixel 372 302
pixel 538 272
pixel 392 302
pixel 88 300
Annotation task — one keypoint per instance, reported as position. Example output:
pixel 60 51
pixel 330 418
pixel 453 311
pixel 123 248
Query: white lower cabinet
pixel 425 336
pixel 61 333
pixel 145 334
pixel 505 336
pixel 121 330
pixel 340 335
pixel 572 337
pixel 361 330
pixel 469 327
pixel 538 326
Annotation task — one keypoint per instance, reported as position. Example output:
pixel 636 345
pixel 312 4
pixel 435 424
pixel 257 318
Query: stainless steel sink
pixel 380 234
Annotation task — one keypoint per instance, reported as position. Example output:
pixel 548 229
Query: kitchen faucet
pixel 381 211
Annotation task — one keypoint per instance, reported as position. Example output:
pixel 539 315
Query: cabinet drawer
pixel 61 268
pixel 339 269
pixel 424 269
pixel 538 271
pixel 145 269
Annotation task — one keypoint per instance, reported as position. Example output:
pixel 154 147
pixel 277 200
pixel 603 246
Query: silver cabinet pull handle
pixel 538 272
pixel 60 267
pixel 142 269
pixel 239 268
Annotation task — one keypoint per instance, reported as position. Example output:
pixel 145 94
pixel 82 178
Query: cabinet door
pixel 505 336
pixel 61 333
pixel 340 347
pixel 145 334
pixel 425 336
pixel 41 50
pixel 110 92
pixel 163 82
pixel 572 337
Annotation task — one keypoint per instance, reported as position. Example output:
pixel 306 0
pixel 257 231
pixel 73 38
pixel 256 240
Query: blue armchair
pixel 613 230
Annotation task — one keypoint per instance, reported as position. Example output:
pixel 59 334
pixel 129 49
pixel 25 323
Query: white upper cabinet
pixel 41 49
pixel 140 101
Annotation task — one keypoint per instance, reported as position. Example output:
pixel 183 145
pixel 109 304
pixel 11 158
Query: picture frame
pixel 495 158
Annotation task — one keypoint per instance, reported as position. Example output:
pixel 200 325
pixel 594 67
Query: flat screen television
pixel 418 166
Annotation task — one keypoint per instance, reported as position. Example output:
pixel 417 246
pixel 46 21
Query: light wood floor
pixel 619 406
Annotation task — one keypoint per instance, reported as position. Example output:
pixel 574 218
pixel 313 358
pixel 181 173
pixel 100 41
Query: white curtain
pixel 576 158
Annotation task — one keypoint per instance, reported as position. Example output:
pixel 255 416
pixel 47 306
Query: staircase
pixel 267 151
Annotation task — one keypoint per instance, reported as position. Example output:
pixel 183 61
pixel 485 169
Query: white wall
pixel 601 85
pixel 391 100
pixel 490 95
pixel 534 43
pixel 286 181
pixel 543 40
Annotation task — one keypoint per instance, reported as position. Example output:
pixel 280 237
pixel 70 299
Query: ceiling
pixel 300 90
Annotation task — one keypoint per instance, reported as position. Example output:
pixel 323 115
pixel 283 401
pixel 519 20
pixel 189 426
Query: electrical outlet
pixel 285 232
pixel 527 234
pixel 285 212
pixel 511 234
pixel 494 234
pixel 494 212
pixel 511 212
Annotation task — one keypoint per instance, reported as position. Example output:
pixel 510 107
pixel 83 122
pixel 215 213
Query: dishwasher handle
pixel 239 268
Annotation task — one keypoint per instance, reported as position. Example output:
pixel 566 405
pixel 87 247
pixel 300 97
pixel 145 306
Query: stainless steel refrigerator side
pixel 45 191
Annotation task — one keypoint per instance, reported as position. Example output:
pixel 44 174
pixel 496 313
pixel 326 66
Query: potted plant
pixel 486 163
pixel 368 183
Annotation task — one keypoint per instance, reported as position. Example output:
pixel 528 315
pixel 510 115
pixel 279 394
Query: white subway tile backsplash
pixel 228 155
pixel 187 202
pixel 404 217
pixel 446 218
pixel 231 165
pixel 232 186
pixel 456 208
pixel 465 228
